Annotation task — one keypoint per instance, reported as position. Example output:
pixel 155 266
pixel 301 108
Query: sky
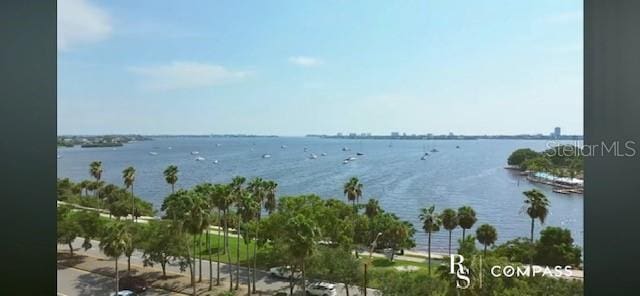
pixel 293 68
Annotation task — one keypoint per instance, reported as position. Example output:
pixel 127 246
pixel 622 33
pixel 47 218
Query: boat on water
pixel 360 153
pixel 199 158
pixel 350 158
pixel 313 156
pixel 218 145
pixel 323 154
pixel 434 150
pixel 215 161
pixel 457 147
pixel 283 147
pixel 424 156
pixel 266 155
pixel 345 161
pixel 195 152
pixel 153 153
pixel 345 149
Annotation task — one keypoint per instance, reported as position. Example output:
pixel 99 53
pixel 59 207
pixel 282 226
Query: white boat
pixel 195 152
pixel 283 147
pixel 199 158
pixel 351 158
pixel 323 154
pixel 266 155
pixel 345 149
pixel 424 157
pixel 215 161
pixel 153 153
pixel 345 161
pixel 313 156
pixel 218 145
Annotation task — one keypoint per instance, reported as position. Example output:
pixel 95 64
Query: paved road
pixel 265 282
pixel 75 282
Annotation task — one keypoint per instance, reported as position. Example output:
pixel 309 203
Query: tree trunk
pixel 226 248
pixel 237 256
pixel 531 253
pixel 248 267
pixel 117 277
pixel 200 257
pixel 133 205
pixel 485 250
pixel 463 232
pixel 291 279
pixel 255 255
pixel 164 269
pixel 173 190
pixel 129 263
pixel 304 284
pixel 210 262
pixel 218 248
pixel 532 225
pixel 70 249
pixel 449 243
pixel 346 288
pixel 429 250
pixel 193 270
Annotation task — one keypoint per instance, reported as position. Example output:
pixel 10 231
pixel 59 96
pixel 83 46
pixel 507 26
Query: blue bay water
pixel 391 171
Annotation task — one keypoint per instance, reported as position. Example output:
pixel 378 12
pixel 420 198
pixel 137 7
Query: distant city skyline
pixel 298 68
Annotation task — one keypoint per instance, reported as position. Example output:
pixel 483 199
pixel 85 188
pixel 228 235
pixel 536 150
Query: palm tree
pixel 95 170
pixel 449 219
pixel 270 197
pixel 466 219
pixel 129 176
pixel 537 206
pixel 219 197
pixel 194 220
pixel 116 241
pixel 84 185
pixel 258 189
pixel 171 176
pixel 430 223
pixel 248 210
pixel 353 190
pixel 237 191
pixel 372 208
pixel 486 235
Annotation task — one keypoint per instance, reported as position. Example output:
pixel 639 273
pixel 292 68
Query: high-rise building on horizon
pixel 556 132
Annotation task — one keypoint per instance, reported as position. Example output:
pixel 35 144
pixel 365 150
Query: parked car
pixel 321 289
pixel 134 283
pixel 283 272
pixel 124 293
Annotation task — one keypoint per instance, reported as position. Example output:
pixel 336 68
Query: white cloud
pixel 185 75
pixel 305 61
pixel 81 22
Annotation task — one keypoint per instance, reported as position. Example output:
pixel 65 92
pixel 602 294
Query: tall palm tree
pixel 537 207
pixel 219 197
pixel 353 190
pixel 258 189
pixel 237 191
pixel 270 202
pixel 129 177
pixel 195 218
pixel 466 219
pixel 486 235
pixel 430 223
pixel 248 211
pixel 114 243
pixel 171 176
pixel 95 170
pixel 449 219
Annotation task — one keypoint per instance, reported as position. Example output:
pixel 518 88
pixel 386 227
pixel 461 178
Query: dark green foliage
pixel 521 155
pixel 556 247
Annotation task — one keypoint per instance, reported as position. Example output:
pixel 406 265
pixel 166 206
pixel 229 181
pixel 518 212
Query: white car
pixel 321 289
pixel 124 293
pixel 283 272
